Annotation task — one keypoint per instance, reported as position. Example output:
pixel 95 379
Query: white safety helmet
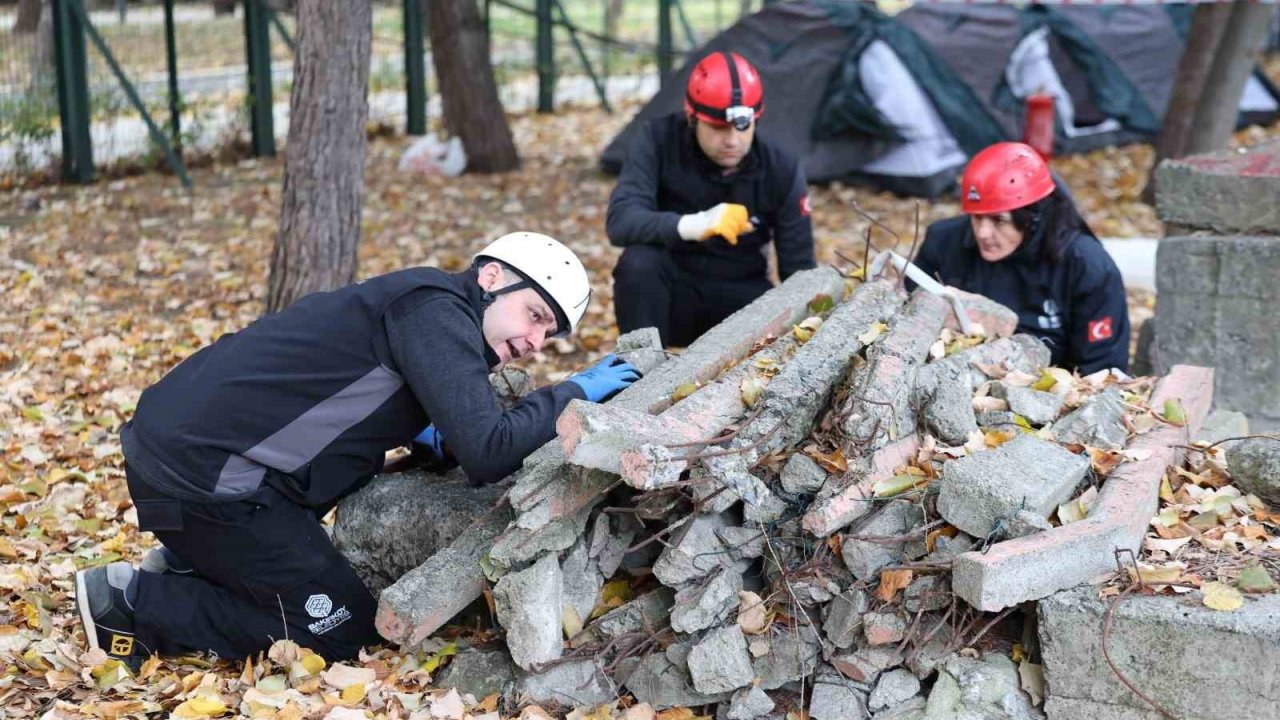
pixel 548 267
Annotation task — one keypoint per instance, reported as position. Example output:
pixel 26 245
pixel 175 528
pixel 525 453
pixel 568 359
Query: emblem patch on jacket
pixel 1099 330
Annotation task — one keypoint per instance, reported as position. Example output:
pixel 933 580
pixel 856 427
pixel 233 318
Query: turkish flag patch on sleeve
pixel 1100 329
pixel 805 207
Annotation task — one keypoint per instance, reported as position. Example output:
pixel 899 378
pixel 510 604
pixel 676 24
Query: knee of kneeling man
pixel 640 261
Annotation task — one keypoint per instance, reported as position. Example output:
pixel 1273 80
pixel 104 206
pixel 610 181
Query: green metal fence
pixel 168 79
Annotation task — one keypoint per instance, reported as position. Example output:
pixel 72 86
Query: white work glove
pixel 728 220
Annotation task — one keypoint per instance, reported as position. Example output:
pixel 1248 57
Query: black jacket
pixel 1076 305
pixel 667 175
pixel 308 400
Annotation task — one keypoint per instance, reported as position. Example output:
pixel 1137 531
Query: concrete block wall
pixel 1217 275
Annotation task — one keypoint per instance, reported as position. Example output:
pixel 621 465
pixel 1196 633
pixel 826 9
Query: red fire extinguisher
pixel 1038 131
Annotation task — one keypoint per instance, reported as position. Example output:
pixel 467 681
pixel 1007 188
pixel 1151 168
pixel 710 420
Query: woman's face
pixel 996 235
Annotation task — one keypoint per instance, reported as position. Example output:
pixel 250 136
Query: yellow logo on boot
pixel 121 645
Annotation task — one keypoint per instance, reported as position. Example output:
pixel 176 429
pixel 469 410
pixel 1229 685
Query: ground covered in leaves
pixel 104 288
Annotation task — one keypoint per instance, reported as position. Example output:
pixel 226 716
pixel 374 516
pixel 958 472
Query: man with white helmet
pixel 234 455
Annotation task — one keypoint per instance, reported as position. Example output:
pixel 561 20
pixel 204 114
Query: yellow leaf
pixel 1157 575
pixel 438 657
pixel 896 485
pixel 616 589
pixel 752 389
pixel 683 391
pixel 1166 489
pixel 570 620
pixel 201 706
pixel 1221 596
pixel 353 694
pixel 313 663
pixel 821 303
pixel 996 438
pixel 807 327
pixel 1173 412
pixel 873 333
pixel 115 544
pixel 1046 382
pixel 676 713
pixel 1023 423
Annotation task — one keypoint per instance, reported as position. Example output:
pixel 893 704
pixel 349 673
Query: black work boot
pixel 106 611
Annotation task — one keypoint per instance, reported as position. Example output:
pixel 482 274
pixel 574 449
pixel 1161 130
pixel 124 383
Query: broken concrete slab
pixel 793 654
pixel 802 475
pixel 1096 423
pixel 1231 191
pixel 996 320
pixel 479 672
pixel 1022 352
pixel 611 535
pixel 910 709
pixel 792 400
pixel 518 546
pixel 880 408
pixel 1036 566
pixel 582 580
pixel 649 612
pixel 1221 425
pixel 842 617
pixel 428 512
pixel 699 607
pixel 1192 658
pixel 528 606
pixel 743 541
pixel 748 703
pixel 698 553
pixel 866 663
pixel 883 627
pixel 419 602
pixel 984 688
pixel 837 698
pixel 657 681
pixel 1036 406
pixel 979 491
pixel 947 407
pixel 926 593
pixel 864 558
pixel 576 683
pixel 850 497
pixel 1255 467
pixel 893 688
pixel 719 662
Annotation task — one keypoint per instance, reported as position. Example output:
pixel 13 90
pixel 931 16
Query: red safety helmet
pixel 1003 177
pixel 724 89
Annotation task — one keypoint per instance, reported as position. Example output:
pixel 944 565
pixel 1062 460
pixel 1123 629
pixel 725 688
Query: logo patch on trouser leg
pixel 121 645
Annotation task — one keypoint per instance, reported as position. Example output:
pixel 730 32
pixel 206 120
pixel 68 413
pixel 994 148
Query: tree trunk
pixel 43 60
pixel 1237 56
pixel 464 74
pixel 325 155
pixel 612 15
pixel 28 16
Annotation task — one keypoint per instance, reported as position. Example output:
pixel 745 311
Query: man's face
pixel 996 235
pixel 516 324
pixel 724 144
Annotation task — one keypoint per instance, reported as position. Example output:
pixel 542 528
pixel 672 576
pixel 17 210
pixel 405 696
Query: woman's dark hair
pixel 1056 216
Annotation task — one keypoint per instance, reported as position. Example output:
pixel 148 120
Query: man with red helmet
pixel 698 199
pixel 1024 245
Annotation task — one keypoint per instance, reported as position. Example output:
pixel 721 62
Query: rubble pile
pixel 769 521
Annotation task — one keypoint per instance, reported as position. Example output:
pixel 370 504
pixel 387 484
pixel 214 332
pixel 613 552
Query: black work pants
pixel 264 569
pixel 650 289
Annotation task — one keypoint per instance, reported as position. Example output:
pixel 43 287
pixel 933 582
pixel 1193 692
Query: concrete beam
pixel 1231 192
pixel 1036 566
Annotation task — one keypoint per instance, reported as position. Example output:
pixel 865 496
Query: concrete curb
pixel 1039 565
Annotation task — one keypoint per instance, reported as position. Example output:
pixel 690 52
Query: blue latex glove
pixel 602 380
pixel 431 440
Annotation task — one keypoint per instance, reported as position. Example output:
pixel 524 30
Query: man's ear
pixel 490 276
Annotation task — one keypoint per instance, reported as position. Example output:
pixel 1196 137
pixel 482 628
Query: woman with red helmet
pixel 699 199
pixel 1023 244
